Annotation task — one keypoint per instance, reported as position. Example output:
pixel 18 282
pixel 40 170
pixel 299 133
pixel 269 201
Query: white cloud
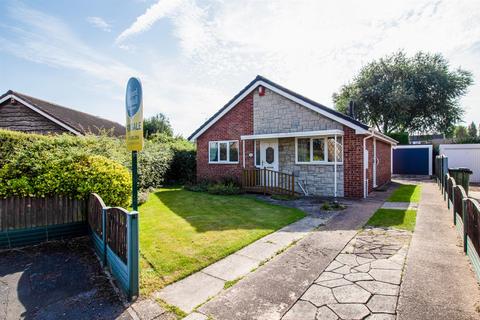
pixel 310 46
pixel 48 40
pixel 144 22
pixel 99 23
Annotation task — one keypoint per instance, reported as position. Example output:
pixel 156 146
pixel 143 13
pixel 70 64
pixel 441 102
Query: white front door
pixel 269 154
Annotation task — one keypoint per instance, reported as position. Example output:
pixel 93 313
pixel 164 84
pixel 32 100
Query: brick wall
pixel 238 121
pixel 369 146
pixel 384 173
pixel 352 163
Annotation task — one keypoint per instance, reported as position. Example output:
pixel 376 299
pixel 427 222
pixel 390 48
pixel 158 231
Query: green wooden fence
pixel 465 212
pixel 114 231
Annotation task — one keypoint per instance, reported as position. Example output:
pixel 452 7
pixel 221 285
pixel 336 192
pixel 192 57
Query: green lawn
pixel 183 231
pixel 406 193
pixel 393 218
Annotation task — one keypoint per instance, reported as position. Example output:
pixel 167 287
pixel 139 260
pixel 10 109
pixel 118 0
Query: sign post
pixel 134 136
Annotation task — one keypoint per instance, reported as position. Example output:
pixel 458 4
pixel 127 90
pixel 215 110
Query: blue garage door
pixel 412 160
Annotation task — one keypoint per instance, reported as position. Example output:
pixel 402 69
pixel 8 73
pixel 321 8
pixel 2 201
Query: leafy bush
pixel 223 189
pixel 182 167
pixel 153 163
pixel 39 165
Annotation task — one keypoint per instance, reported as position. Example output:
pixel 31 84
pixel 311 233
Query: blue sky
pixel 193 56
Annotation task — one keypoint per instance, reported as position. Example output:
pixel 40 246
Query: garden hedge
pixel 39 165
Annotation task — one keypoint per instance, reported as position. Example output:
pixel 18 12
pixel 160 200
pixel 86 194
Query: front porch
pixel 306 163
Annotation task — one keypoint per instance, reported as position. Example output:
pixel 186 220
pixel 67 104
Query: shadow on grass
pixel 392 218
pixel 206 212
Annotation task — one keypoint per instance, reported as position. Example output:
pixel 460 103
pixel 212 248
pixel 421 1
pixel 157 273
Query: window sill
pixel 224 162
pixel 320 163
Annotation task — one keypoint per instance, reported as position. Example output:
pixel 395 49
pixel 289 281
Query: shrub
pixel 223 189
pixel 182 167
pixel 153 163
pixel 37 165
pixel 75 176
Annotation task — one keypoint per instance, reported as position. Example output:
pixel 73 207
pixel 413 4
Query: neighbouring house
pixel 267 126
pixel 21 112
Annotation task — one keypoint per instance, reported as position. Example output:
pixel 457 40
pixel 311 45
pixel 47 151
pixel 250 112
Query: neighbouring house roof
pixel 76 122
pixel 315 106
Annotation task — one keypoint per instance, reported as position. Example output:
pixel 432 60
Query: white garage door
pixel 463 155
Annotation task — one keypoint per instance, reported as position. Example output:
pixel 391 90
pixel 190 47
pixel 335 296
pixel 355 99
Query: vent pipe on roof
pixel 351 109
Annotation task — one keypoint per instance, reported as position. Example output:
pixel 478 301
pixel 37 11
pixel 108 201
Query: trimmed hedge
pixel 36 165
pixel 23 157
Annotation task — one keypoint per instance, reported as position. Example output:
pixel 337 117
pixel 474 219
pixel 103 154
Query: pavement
pixel 270 291
pixel 439 282
pixel 56 280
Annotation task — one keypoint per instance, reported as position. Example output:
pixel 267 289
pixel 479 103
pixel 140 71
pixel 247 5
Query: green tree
pixel 461 132
pixel 399 93
pixel 472 130
pixel 158 123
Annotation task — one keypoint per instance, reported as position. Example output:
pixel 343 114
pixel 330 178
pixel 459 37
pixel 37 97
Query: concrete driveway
pixel 56 280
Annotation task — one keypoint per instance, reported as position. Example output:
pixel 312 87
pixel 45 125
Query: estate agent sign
pixel 134 137
pixel 134 106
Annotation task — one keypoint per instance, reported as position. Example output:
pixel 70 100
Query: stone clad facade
pixel 317 178
pixel 273 113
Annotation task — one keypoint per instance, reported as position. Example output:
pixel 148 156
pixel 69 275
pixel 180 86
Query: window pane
pixel 213 151
pixel 233 151
pixel 223 151
pixel 270 155
pixel 339 149
pixel 303 149
pixel 257 153
pixel 318 146
pixel 331 149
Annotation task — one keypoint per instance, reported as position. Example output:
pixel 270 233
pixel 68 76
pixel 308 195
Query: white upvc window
pixel 223 151
pixel 319 150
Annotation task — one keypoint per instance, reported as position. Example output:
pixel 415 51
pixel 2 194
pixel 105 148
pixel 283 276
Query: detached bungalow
pixel 268 127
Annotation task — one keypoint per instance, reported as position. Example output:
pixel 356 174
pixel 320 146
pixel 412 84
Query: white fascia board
pixel 384 138
pixel 318 133
pixel 358 130
pixel 46 115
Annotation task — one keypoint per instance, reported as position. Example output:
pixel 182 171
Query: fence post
pixel 465 223
pixel 132 254
pixel 264 181
pixel 293 184
pixel 104 236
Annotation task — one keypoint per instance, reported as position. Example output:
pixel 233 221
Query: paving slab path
pixel 271 290
pixel 439 282
pixel 362 282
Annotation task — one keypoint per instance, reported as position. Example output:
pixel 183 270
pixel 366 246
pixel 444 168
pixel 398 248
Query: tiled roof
pixel 77 120
pixel 292 93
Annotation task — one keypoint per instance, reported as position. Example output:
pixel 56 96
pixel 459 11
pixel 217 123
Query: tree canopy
pixel 400 93
pixel 158 123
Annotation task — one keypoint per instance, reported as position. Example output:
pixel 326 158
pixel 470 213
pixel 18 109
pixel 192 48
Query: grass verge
pixel 406 193
pixel 393 218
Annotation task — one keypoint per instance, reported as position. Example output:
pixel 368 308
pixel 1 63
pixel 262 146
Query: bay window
pixel 319 150
pixel 223 151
